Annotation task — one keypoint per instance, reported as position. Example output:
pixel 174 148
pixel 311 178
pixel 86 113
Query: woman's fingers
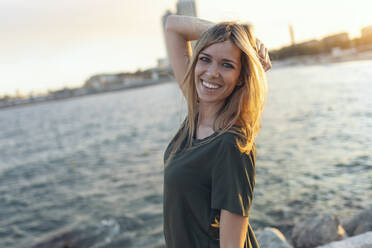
pixel 258 43
pixel 262 51
pixel 263 54
pixel 267 60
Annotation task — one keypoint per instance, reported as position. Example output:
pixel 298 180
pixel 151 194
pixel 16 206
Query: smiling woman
pixel 217 72
pixel 210 163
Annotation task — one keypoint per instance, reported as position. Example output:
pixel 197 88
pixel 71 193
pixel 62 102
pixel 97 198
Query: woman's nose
pixel 212 70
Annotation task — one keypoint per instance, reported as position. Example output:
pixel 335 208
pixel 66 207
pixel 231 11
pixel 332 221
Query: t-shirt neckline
pixel 196 140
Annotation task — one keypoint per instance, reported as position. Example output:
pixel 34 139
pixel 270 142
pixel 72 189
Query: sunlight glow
pixel 43 47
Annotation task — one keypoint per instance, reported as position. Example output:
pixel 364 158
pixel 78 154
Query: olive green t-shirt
pixel 201 181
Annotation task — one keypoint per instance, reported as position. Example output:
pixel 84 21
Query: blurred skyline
pixel 50 44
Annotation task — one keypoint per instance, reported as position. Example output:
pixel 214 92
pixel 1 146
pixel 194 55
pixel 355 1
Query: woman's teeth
pixel 210 86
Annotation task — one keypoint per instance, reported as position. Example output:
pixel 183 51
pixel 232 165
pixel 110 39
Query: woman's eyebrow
pixel 206 54
pixel 229 60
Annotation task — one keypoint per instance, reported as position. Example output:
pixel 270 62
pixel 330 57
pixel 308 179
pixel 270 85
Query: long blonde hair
pixel 242 111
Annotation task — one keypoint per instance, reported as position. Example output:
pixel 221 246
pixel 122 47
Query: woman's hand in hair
pixel 263 55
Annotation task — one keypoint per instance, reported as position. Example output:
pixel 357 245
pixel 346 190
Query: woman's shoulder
pixel 229 141
pixel 228 138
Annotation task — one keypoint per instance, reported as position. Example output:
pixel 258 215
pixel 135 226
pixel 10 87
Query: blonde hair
pixel 242 111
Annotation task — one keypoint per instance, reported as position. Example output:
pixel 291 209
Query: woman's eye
pixel 227 65
pixel 204 59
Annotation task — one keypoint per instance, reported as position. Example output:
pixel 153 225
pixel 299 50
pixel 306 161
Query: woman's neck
pixel 207 114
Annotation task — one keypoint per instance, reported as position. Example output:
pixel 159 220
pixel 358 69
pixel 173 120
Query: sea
pixel 88 172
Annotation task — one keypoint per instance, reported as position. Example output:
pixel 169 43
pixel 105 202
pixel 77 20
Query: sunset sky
pixel 48 44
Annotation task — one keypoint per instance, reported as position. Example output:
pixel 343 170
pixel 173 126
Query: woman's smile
pixel 210 85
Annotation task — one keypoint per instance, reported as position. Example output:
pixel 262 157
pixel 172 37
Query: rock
pixel 358 224
pixel 272 238
pixel 360 241
pixel 317 231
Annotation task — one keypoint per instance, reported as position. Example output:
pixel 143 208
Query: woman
pixel 209 171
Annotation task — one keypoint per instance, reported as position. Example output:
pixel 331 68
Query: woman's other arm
pixel 180 30
pixel 233 230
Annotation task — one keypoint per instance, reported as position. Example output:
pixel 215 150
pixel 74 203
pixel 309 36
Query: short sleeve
pixel 233 179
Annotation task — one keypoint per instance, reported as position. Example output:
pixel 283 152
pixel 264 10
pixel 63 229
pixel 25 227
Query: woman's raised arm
pixel 180 30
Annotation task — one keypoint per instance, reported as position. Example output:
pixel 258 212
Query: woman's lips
pixel 210 86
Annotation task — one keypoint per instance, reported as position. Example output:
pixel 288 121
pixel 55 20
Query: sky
pixel 50 44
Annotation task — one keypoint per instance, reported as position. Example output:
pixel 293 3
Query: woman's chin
pixel 213 100
pixel 208 95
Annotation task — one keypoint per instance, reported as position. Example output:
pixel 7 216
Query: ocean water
pixel 88 172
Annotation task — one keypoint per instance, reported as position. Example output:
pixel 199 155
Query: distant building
pixel 310 43
pixel 163 63
pixel 337 40
pixel 367 32
pixel 186 7
pixel 310 47
pixel 60 94
pixel 367 35
pixel 101 81
pixel 291 34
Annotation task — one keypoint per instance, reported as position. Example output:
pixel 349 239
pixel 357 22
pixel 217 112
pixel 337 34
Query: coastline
pixel 46 99
pixel 319 59
pixel 304 60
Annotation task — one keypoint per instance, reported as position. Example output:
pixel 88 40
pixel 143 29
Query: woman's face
pixel 217 72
